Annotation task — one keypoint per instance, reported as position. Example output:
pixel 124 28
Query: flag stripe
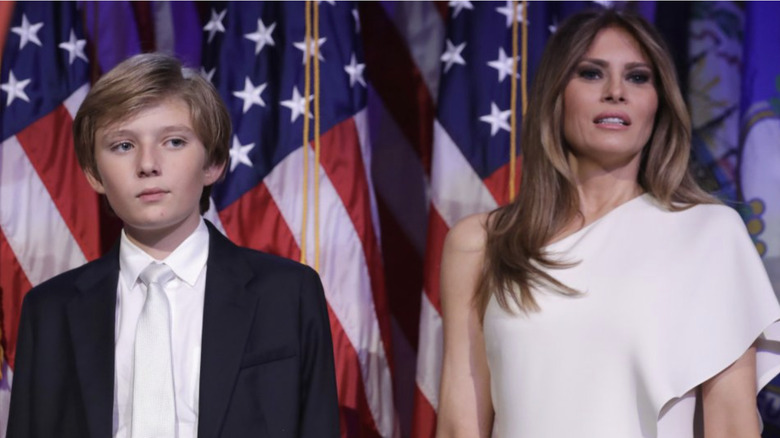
pixel 406 198
pixel 411 106
pixel 402 277
pixel 498 182
pixel 429 356
pixel 343 165
pixel 421 27
pixel 32 224
pixel 430 351
pixel 48 145
pixel 403 209
pixel 13 279
pixel 344 288
pixel 362 129
pixel 456 189
pixel 437 232
pixel 424 420
pixel 355 414
pixel 255 221
pixel 73 102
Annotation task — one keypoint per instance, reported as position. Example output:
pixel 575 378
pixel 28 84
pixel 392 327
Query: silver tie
pixel 154 409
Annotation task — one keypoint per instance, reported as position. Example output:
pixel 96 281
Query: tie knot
pixel 158 273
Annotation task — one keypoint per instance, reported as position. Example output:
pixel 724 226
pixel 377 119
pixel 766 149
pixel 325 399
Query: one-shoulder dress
pixel 667 300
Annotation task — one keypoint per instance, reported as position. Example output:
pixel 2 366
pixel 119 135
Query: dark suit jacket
pixel 267 357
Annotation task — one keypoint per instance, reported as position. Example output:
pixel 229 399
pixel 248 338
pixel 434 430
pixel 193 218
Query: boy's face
pixel 152 168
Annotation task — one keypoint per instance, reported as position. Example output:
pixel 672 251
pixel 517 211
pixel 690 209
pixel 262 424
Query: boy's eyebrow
pixel 129 132
pixel 177 128
pixel 110 134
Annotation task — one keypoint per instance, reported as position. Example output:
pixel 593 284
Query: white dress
pixel 669 299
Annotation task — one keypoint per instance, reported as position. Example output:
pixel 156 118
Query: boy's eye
pixel 639 77
pixel 177 142
pixel 122 146
pixel 589 73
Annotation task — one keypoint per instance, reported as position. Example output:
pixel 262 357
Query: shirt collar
pixel 186 261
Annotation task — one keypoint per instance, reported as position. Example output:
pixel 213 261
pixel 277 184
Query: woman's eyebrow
pixel 603 63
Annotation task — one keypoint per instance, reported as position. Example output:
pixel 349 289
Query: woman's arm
pixel 465 409
pixel 729 400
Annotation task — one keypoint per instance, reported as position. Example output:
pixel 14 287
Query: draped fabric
pixel 666 301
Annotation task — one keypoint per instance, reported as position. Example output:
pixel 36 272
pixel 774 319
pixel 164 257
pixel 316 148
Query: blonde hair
pixel 548 199
pixel 145 80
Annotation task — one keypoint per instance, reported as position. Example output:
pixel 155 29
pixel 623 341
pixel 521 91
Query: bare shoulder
pixel 468 235
pixel 462 259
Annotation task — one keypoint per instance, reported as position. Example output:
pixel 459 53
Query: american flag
pixel 48 215
pixel 256 55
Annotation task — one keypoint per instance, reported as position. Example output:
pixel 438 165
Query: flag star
pixel 250 94
pixel 503 64
pixel 262 37
pixel 215 23
pixel 507 11
pixel 239 154
pixel 460 5
pixel 15 89
pixel 356 16
pixel 355 72
pixel 452 55
pixel 498 119
pixel 75 48
pixel 312 45
pixel 298 105
pixel 28 32
pixel 209 75
pixel 330 2
pixel 554 26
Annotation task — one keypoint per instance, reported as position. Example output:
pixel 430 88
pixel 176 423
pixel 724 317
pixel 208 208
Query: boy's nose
pixel 148 161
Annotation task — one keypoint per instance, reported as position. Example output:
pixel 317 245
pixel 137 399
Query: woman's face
pixel 610 102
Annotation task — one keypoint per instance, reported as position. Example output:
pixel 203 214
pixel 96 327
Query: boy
pixel 223 342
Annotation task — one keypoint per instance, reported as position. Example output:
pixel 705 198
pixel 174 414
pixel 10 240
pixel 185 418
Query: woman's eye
pixel 639 77
pixel 589 73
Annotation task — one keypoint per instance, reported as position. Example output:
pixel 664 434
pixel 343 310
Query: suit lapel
pixel 91 318
pixel 227 317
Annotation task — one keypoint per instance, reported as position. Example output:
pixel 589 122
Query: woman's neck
pixel 601 190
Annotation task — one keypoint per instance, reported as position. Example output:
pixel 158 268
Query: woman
pixel 613 298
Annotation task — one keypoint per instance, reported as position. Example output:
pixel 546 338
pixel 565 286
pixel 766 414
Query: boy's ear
pixel 213 172
pixel 95 182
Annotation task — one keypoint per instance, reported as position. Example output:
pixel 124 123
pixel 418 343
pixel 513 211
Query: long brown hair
pixel 548 198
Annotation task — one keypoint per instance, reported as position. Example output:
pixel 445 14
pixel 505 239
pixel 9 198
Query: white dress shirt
pixel 185 294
